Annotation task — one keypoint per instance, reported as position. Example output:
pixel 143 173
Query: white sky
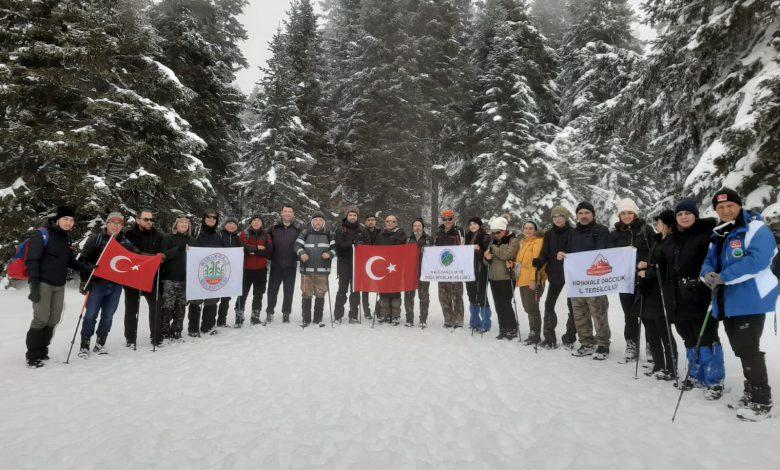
pixel 262 17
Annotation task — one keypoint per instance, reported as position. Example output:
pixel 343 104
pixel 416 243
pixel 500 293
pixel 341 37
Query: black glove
pixel 83 288
pixel 537 263
pixel 35 292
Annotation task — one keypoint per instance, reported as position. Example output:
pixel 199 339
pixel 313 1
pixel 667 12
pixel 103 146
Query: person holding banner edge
pixel 48 261
pixel 208 237
pixel 479 307
pixel 231 238
pixel 739 261
pixel 389 306
pixel 421 239
pixel 173 274
pixel 589 235
pixel 450 293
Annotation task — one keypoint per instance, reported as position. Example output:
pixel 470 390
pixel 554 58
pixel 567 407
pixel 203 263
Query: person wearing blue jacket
pixel 739 260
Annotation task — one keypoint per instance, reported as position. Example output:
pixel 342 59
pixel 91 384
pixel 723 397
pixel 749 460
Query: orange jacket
pixel 529 249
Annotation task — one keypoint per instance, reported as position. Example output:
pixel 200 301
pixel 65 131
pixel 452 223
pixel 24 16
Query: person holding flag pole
pixel 105 294
pixel 47 263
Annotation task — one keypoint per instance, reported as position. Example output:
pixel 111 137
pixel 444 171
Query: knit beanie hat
pixel 181 217
pixel 317 215
pixel 476 220
pixel 587 206
pixel 627 205
pixel 560 210
pixel 448 214
pixel 726 195
pixel 667 217
pixel 64 211
pixel 499 223
pixel 687 204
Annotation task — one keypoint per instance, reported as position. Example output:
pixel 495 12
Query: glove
pixel 712 280
pixel 537 263
pixel 35 292
pixel 83 288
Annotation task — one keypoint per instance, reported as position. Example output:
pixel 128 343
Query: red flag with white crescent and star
pixel 127 268
pixel 386 269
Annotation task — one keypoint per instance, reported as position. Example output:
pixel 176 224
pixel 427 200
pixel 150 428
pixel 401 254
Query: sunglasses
pixel 147 219
pixel 448 219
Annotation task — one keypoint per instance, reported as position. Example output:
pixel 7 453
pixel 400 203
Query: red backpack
pixel 17 268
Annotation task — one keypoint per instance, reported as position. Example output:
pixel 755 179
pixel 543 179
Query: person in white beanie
pixel 503 248
pixel 631 230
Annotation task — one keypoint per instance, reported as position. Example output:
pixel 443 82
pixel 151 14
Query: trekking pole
pixel 639 334
pixel 81 316
pixel 330 307
pixel 537 297
pixel 668 327
pixel 156 326
pixel 713 299
pixel 373 318
pixel 514 302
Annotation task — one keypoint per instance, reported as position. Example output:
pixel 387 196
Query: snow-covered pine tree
pixel 511 172
pixel 89 118
pixel 551 17
pixel 706 102
pixel 277 167
pixel 599 59
pixel 200 44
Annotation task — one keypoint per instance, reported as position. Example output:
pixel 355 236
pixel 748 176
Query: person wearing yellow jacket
pixel 530 280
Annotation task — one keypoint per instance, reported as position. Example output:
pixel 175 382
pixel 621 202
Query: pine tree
pixel 89 116
pixel 551 17
pixel 200 44
pixel 705 103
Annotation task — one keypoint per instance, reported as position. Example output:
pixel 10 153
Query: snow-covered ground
pixel 355 397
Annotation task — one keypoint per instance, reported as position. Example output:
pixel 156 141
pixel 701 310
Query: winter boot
pixel 319 308
pixel 548 344
pixel 474 322
pixel 84 349
pixel 34 341
pixel 511 334
pixel 532 339
pixel 306 310
pixel 269 317
pixel 501 333
pixel 239 319
pixel 583 351
pixel 760 405
pixel 423 325
pixel 285 317
pixel 255 318
pixel 601 353
pixel 631 351
pixel 696 375
pixel 744 400
pixel 353 320
pixel 713 371
pixel 485 324
pixel 100 346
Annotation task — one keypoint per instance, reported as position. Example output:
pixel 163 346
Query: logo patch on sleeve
pixel 736 244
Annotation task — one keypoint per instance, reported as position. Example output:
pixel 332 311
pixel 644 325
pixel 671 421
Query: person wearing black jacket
pixel 173 277
pixel 630 230
pixel 687 298
pixel 209 237
pixel 347 236
pixel 587 236
pixel 421 239
pixel 555 240
pixel 231 238
pixel 450 293
pixel 47 266
pixel 389 309
pixel 479 306
pixel 146 239
pixel 284 264
pixel 369 235
pixel 104 294
pixel 650 305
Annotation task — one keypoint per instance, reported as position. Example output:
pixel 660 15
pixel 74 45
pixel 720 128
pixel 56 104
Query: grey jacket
pixel 314 243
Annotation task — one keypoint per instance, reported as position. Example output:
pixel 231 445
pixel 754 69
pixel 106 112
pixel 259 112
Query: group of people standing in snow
pixel 692 273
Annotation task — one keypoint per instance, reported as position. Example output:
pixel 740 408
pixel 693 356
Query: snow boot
pixel 130 344
pixel 568 346
pixel 601 353
pixel 501 333
pixel 255 318
pixel 548 344
pixel 696 375
pixel 100 346
pixel 338 321
pixel 193 334
pixel 759 406
pixel 48 333
pixel 532 339
pixel 631 351
pixel 353 320
pixel 485 323
pixel 713 371
pixel 239 319
pixel 663 374
pixel 409 323
pixel 34 345
pixel 511 334
pixel 285 317
pixel 84 349
pixel 306 311
pixel 744 400
pixel 423 325
pixel 583 351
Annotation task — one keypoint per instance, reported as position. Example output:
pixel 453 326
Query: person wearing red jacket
pixel 257 250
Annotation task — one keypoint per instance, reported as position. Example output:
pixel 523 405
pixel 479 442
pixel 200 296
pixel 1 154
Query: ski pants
pixel 590 310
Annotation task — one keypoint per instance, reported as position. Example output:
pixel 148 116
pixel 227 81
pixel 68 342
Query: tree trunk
pixel 434 199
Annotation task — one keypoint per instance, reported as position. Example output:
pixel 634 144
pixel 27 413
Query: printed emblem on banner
pixel 599 267
pixel 447 258
pixel 214 272
pixel 736 244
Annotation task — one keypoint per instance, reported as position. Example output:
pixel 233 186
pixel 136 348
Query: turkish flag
pixel 386 269
pixel 126 268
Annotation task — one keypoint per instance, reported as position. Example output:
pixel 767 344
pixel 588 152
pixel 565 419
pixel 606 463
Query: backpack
pixel 17 268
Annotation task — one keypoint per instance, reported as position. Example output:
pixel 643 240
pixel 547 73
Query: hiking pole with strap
pixel 639 334
pixel 713 299
pixel 330 306
pixel 156 326
pixel 514 302
pixel 86 299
